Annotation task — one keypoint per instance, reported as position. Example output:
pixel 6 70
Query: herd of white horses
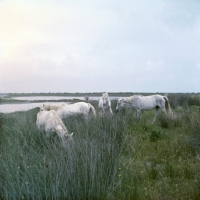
pixel 50 116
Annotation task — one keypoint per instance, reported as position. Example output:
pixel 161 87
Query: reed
pixel 36 167
pixel 111 157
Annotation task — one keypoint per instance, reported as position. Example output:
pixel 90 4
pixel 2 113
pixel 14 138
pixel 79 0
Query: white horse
pixel 105 103
pixel 76 109
pixel 87 99
pixel 50 122
pixel 52 106
pixel 139 102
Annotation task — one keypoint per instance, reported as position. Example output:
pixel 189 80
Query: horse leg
pixel 85 116
pixel 101 112
pixel 110 111
pixel 47 133
pixel 156 113
pixel 137 113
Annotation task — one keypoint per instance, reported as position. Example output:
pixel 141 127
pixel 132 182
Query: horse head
pixel 120 104
pixel 68 136
pixel 105 98
pixel 42 108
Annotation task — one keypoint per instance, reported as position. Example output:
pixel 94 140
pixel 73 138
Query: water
pixel 45 98
pixel 8 108
pixel 14 107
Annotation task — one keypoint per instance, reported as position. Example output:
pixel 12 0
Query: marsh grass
pixel 194 127
pixel 117 157
pixel 159 162
pixel 184 99
pixel 36 167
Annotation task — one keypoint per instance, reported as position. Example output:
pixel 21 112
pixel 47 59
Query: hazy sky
pixel 99 45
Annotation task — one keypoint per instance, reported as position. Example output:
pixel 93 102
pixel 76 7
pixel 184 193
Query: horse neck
pixel 108 102
pixel 128 100
pixel 100 104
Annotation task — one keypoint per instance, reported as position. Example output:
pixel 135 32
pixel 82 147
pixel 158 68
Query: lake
pixel 45 98
pixel 8 108
pixel 13 107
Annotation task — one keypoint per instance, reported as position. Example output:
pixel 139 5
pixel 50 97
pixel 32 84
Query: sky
pixel 99 46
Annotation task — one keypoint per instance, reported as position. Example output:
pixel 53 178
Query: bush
pixel 155 135
pixel 169 121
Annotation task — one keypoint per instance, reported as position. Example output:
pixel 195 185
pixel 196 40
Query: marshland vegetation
pixel 110 157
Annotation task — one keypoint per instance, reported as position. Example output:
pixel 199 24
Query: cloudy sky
pixel 99 45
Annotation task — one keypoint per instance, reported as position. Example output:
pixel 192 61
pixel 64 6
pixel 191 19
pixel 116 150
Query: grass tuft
pixel 155 135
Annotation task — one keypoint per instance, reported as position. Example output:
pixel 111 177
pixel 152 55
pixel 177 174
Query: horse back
pixel 148 102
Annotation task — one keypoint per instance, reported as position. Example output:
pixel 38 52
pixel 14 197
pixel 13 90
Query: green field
pixel 117 157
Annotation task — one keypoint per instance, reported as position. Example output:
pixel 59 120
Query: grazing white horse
pixel 54 106
pixel 76 109
pixel 50 122
pixel 139 102
pixel 105 103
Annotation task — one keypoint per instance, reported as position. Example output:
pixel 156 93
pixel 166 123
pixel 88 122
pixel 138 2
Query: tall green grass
pixel 184 99
pixel 194 127
pixel 36 167
pixel 115 157
pixel 158 161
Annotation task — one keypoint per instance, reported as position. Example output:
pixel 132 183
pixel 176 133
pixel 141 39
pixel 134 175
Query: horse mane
pixel 128 99
pixel 137 95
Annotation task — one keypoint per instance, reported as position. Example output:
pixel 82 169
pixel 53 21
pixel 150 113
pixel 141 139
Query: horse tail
pixel 167 105
pixel 92 109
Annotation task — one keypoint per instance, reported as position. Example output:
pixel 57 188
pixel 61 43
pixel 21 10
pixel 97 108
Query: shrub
pixel 155 135
pixel 170 121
